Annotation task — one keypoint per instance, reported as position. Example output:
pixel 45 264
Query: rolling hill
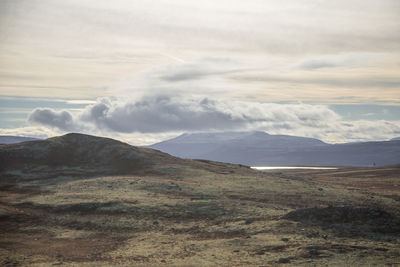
pixel 80 154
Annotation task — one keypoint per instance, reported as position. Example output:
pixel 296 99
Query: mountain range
pixel 247 148
pixel 262 149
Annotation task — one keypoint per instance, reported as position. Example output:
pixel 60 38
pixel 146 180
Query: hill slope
pixel 261 149
pixel 79 154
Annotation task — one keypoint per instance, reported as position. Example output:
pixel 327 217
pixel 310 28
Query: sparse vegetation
pixel 200 214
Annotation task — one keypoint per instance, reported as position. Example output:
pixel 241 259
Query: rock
pixel 313 250
pixel 285 239
pixel 249 221
pixel 284 260
pixel 312 235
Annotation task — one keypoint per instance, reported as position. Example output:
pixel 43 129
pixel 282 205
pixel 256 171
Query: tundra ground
pixel 200 217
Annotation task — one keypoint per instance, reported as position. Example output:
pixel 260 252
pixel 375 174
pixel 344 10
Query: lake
pixel 292 168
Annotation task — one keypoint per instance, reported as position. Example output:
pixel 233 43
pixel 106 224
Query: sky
pixel 143 71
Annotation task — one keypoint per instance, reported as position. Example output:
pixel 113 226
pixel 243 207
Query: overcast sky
pixel 144 70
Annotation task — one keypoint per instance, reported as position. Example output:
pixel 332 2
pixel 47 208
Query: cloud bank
pixel 160 115
pixel 82 48
pixel 164 113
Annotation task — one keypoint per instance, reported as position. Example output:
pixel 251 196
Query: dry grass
pixel 198 214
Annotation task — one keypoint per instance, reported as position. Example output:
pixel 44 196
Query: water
pixel 292 168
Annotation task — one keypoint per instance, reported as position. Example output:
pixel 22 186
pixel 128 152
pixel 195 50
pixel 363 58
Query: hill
pixel 262 149
pixel 79 154
pixel 10 139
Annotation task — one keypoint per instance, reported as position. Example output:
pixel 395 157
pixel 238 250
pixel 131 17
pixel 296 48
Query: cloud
pixel 163 116
pixel 364 130
pixel 202 68
pixel 158 114
pixel 347 60
pixel 239 78
pixel 36 131
pixel 62 120
pixel 328 81
pixel 107 43
pixel 198 76
pixel 165 113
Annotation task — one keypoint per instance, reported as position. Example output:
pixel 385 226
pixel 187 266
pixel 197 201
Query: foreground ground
pixel 200 217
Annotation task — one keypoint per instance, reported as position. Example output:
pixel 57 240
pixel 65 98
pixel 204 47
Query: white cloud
pixel 35 131
pixel 164 116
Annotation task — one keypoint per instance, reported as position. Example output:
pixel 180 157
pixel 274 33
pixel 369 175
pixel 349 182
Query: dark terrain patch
pixel 349 220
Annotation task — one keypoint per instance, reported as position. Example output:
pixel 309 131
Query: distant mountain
pixel 262 149
pixel 9 139
pixel 78 154
pixel 395 139
pixel 209 145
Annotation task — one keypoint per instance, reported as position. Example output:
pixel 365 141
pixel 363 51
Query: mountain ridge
pixel 262 149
